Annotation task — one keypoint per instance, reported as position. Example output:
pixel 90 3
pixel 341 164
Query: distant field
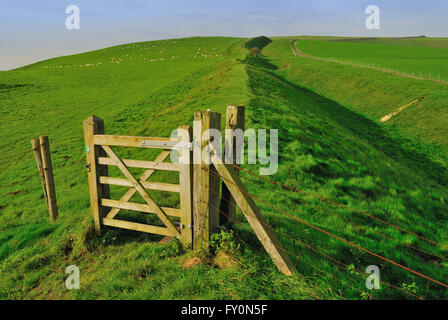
pixel 371 93
pixel 409 55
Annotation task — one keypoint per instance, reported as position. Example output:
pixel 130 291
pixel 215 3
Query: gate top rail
pixel 140 142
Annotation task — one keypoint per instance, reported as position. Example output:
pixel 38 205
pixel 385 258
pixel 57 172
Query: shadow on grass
pixel 118 236
pixel 16 238
pixel 259 62
pixel 360 126
pixel 4 86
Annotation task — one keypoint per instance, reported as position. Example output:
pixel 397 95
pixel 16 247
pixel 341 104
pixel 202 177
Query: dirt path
pixel 295 50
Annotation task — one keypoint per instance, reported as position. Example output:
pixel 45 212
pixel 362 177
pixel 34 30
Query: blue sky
pixel 35 30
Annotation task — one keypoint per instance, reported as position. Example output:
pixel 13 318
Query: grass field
pixel 408 55
pixel 372 93
pixel 331 145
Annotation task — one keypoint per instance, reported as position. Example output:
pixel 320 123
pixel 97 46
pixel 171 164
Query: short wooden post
pixel 93 126
pixel 205 183
pixel 234 121
pixel 37 154
pixel 185 179
pixel 49 177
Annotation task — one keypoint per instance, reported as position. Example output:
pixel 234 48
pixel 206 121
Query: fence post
pixel 37 154
pixel 92 126
pixel 49 177
pixel 206 184
pixel 184 134
pixel 253 215
pixel 234 121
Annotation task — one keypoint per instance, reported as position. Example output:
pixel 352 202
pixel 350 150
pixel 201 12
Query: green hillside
pixel 408 55
pixel 373 93
pixel 331 145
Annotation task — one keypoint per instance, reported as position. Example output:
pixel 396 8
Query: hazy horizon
pixel 33 32
pixel 273 36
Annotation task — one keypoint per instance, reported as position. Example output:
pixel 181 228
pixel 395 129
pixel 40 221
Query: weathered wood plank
pixel 185 180
pixel 206 185
pixel 234 121
pixel 37 154
pixel 254 217
pixel 49 177
pixel 148 208
pixel 160 186
pixel 137 185
pixel 138 142
pixel 142 164
pixel 145 176
pixel 137 227
pixel 94 125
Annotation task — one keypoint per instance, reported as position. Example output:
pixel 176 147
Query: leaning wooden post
pixel 184 134
pixel 37 154
pixel 234 123
pixel 94 126
pixel 253 215
pixel 206 184
pixel 49 177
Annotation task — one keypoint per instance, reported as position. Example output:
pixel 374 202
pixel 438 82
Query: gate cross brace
pixel 141 190
pixel 145 176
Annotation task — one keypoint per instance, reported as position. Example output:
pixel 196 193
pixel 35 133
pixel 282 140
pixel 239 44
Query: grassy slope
pixel 135 96
pixel 336 153
pixel 423 55
pixel 325 148
pixel 406 41
pixel 373 94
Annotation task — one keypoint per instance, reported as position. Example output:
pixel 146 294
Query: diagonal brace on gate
pixel 145 176
pixel 140 189
pixel 253 215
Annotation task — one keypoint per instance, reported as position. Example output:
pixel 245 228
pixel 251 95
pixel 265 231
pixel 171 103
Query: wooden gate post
pixel 49 177
pixel 234 121
pixel 185 180
pixel 205 183
pixel 36 148
pixel 92 126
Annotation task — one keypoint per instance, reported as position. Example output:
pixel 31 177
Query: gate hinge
pixel 87 166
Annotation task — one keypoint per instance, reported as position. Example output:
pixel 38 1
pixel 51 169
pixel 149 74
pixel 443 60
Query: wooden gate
pixel 100 155
pixel 199 201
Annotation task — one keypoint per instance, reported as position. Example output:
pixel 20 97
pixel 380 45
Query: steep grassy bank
pixel 331 151
pixel 373 94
